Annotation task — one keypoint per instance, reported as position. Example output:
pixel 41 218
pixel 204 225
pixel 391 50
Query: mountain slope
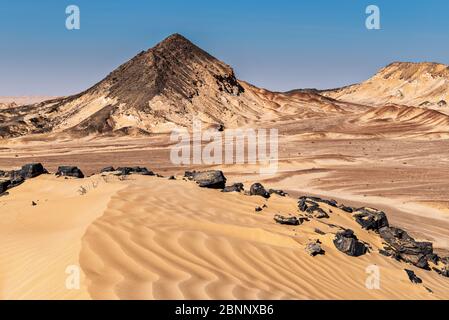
pixel 155 91
pixel 414 84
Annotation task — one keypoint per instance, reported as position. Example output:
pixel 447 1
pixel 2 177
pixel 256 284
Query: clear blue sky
pixel 280 45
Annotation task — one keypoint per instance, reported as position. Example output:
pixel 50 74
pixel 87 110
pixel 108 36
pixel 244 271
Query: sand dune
pixel 151 238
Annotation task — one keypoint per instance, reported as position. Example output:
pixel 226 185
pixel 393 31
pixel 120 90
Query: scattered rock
pixel 236 187
pixel 124 171
pixel 304 200
pixel 69 171
pixel 258 190
pixel 27 171
pixel 371 219
pixel 32 170
pixel 311 206
pixel 346 209
pixel 4 184
pixel 403 247
pixel 314 248
pixel 292 221
pixel 319 232
pixel 213 179
pixel 348 243
pixel 107 169
pixel 172 178
pixel 189 174
pixel 317 213
pixel 278 192
pixel 413 277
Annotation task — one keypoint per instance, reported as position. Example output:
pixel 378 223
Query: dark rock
pixel 311 204
pixel 278 192
pixel 69 171
pixel 107 169
pixel 189 174
pixel 292 221
pixel 319 232
pixel 371 219
pixel 413 277
pixel 314 248
pixel 442 103
pixel 172 178
pixel 348 243
pixel 17 181
pixel 32 170
pixel 258 190
pixel 405 248
pixel 258 209
pixel 33 203
pixel 236 187
pixel 124 171
pixel 213 179
pixel 443 271
pixel 27 171
pixel 386 253
pixel 346 209
pixel 4 184
pixel 317 213
pixel 434 258
pixel 332 203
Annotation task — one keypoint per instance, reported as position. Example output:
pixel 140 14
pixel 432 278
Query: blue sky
pixel 279 45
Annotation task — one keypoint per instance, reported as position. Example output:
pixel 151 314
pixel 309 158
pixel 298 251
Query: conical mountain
pixel 163 87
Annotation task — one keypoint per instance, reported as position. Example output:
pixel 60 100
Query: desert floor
pixel 153 238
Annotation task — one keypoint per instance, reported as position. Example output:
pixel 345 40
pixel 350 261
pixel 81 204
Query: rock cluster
pixel 311 206
pixel 11 179
pixel 371 219
pixel 398 243
pixel 401 246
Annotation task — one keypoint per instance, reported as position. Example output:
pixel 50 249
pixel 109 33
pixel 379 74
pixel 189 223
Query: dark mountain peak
pixel 176 39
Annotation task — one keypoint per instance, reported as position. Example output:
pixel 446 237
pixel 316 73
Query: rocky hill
pixel 406 83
